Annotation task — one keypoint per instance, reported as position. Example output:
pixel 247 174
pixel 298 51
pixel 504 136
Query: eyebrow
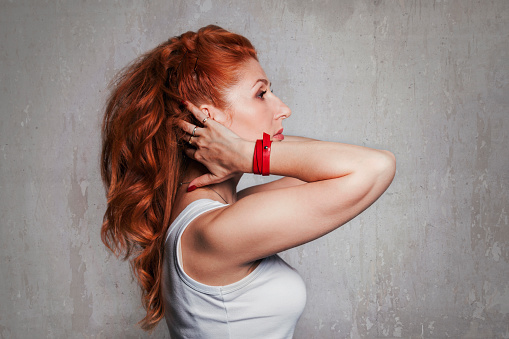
pixel 265 81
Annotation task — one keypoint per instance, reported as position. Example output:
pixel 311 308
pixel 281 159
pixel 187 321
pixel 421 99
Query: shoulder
pixel 198 200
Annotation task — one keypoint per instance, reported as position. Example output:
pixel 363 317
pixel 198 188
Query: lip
pixel 279 135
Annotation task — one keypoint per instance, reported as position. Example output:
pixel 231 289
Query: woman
pixel 182 125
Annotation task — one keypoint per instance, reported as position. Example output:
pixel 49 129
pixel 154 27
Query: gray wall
pixel 428 80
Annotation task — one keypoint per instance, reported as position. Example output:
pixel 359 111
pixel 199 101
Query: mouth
pixel 279 135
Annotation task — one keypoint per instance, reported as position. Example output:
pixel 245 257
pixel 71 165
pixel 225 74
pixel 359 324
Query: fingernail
pixel 183 102
pixel 191 188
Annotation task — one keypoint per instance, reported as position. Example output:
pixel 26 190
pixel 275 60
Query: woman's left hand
pixel 216 147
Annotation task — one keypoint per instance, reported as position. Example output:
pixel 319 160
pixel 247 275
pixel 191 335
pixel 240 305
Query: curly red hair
pixel 142 159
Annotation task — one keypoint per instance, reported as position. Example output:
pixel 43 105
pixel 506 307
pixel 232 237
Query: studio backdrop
pixel 427 80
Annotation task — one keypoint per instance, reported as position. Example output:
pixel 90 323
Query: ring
pixel 194 130
pixel 189 141
pixel 205 120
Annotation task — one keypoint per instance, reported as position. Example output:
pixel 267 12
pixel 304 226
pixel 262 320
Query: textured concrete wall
pixel 428 80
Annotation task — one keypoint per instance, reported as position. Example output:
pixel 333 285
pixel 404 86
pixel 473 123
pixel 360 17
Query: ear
pixel 215 113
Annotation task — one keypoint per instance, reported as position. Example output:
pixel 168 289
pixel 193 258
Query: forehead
pixel 251 73
pixel 251 76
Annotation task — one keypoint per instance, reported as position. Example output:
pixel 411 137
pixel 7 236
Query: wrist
pixel 245 164
pixel 261 157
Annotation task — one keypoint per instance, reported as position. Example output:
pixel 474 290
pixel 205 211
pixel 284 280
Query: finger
pixel 190 152
pixel 196 111
pixel 204 180
pixel 189 128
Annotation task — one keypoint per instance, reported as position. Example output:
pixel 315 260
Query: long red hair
pixel 142 158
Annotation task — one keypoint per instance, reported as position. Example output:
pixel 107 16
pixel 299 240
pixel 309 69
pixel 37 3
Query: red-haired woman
pixel 182 125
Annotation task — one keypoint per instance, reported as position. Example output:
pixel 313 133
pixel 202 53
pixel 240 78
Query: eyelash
pixel 263 93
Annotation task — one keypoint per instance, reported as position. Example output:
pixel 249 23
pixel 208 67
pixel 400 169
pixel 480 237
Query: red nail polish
pixel 191 188
pixel 183 102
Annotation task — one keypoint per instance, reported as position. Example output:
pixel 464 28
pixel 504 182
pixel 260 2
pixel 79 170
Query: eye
pixel 261 94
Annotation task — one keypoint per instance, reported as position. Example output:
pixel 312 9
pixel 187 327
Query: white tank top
pixel 266 304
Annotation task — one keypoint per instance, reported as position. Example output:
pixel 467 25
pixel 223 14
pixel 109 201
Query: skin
pixel 254 108
pixel 324 186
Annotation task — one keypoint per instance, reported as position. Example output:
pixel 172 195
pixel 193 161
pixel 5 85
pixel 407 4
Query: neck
pixel 226 190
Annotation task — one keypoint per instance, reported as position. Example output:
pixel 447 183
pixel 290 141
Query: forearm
pixel 226 155
pixel 293 138
pixel 279 183
pixel 312 161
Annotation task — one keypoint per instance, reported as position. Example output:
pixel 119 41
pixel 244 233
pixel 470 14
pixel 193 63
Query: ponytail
pixel 142 157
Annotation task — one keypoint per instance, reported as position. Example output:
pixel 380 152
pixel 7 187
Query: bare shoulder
pixel 202 259
pixel 183 199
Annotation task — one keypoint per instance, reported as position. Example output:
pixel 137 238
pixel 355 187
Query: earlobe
pixel 205 108
pixel 214 113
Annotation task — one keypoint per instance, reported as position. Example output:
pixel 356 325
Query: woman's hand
pixel 216 147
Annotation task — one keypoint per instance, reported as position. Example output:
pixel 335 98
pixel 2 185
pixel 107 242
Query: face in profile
pixel 253 109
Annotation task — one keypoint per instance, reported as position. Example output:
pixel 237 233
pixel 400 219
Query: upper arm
pixel 270 221
pixel 276 184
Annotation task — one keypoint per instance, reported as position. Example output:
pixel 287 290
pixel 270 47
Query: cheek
pixel 257 119
pixel 250 120
pixel 247 127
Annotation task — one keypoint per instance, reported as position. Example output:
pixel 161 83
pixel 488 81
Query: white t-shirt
pixel 266 304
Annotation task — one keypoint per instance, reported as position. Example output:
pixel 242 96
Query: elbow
pixel 378 175
pixel 365 185
pixel 385 166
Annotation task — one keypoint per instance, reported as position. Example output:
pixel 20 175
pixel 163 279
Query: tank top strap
pixel 191 212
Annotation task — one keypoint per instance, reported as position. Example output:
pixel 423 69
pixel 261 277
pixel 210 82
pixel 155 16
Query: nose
pixel 283 111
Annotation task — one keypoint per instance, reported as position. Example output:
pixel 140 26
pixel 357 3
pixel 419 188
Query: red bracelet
pixel 257 158
pixel 261 156
pixel 266 145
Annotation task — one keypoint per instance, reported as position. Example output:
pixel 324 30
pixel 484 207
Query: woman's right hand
pixel 223 152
